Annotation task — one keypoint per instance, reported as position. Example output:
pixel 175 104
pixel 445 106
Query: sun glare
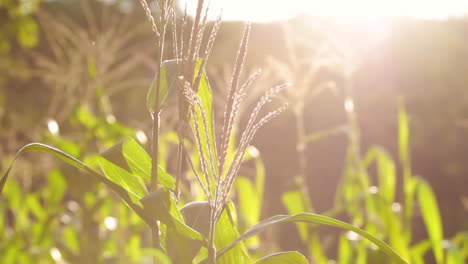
pixel 270 10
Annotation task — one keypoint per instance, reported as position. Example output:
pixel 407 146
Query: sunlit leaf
pixel 56 185
pixel 128 181
pixel 70 238
pixel 249 203
pixel 314 219
pixel 403 133
pixel 226 232
pixel 140 163
pixel 344 250
pixel 431 215
pixel 207 139
pixel 121 192
pixel 291 257
pixel 167 85
pixel 130 156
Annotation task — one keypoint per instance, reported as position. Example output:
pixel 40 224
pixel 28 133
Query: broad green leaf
pixel 313 219
pixel 134 185
pixel 291 257
pixel 140 163
pixel 167 85
pixel 121 192
pixel 226 232
pixel 161 205
pixel 431 216
pixel 182 248
pixel 249 203
pixel 130 156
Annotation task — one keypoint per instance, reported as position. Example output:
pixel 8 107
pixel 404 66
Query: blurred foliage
pixel 91 60
pixel 19 31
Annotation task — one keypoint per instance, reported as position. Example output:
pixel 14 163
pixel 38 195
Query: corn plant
pixel 194 231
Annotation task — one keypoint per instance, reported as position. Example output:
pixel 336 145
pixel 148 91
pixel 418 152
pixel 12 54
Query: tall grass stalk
pixel 219 173
pixel 159 28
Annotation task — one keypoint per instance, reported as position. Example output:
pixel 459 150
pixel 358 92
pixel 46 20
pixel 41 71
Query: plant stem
pixel 156 121
pixel 301 148
pixel 211 245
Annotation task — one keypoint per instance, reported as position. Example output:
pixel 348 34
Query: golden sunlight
pixel 270 10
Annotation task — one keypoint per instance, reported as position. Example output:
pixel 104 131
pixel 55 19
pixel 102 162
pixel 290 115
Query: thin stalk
pixel 165 8
pixel 211 241
pixel 301 148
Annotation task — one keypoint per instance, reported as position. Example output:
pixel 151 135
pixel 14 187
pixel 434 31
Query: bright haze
pixel 271 10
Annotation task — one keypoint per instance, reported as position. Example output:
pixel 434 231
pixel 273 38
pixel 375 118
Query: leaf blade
pixel 316 219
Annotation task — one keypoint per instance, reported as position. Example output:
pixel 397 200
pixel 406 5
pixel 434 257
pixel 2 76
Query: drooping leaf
pixel 292 257
pixel 296 202
pixel 120 191
pixel 314 219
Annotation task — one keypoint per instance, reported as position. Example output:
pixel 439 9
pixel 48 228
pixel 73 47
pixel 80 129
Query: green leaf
pixel 403 133
pixel 57 186
pixel 140 163
pixel 167 84
pixel 207 139
pixel 431 215
pixel 419 250
pixel 130 156
pixel 295 202
pixel 161 205
pixel 454 256
pixel 71 239
pixel 291 257
pixel 121 192
pixel 344 250
pixel 249 202
pixel 134 185
pixel 314 219
pixel 226 232
pixel 34 206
